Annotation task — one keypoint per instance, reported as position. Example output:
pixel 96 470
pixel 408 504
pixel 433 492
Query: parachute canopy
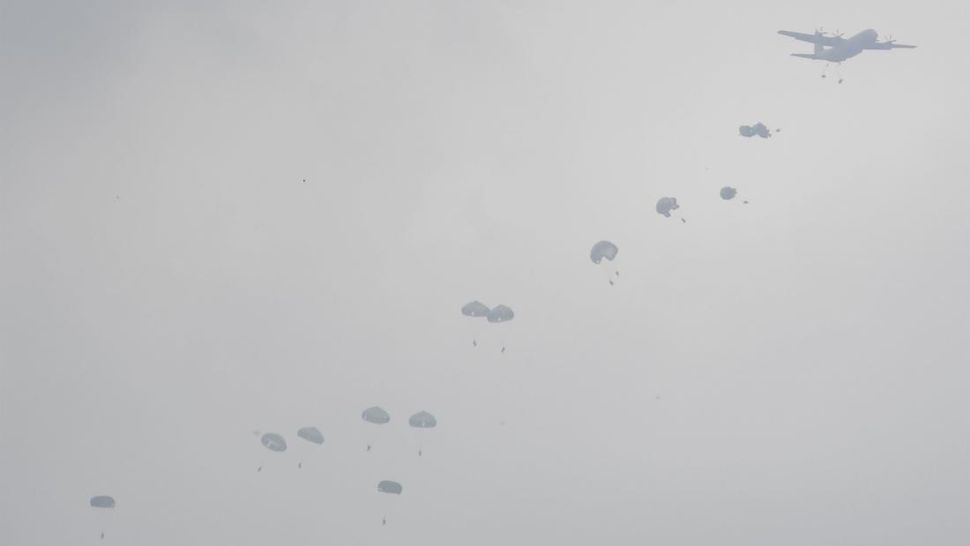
pixel 423 419
pixel 273 441
pixel 311 434
pixel 102 501
pixel 757 129
pixel 389 487
pixel 603 249
pixel 667 204
pixel 375 415
pixel 475 309
pixel 728 193
pixel 500 313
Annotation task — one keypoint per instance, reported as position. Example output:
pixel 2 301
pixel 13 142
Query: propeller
pixel 819 31
pixel 838 33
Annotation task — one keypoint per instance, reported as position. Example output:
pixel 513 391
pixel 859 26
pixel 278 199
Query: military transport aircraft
pixel 833 48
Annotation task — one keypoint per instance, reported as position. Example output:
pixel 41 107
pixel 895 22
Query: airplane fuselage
pixel 850 47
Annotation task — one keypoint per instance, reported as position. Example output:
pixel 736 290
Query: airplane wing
pixel 889 45
pixel 817 38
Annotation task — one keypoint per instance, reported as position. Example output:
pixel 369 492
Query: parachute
pixel 390 487
pixel 728 193
pixel 102 501
pixel 500 313
pixel 375 415
pixel 601 250
pixel 605 250
pixel 667 204
pixel 311 434
pixel 759 129
pixel 273 442
pixel 423 419
pixel 475 309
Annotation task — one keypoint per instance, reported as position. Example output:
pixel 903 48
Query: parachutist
pixel 503 349
pixel 383 521
pixel 259 468
pixel 368 447
pixel 299 465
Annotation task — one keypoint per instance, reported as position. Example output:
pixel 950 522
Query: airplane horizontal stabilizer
pixel 804 55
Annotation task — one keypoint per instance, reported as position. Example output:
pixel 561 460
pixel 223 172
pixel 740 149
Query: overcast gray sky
pixel 793 371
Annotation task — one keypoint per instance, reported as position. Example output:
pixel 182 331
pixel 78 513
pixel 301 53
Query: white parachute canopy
pixel 390 487
pixel 500 313
pixel 375 415
pixel 759 129
pixel 102 501
pixel 475 309
pixel 603 250
pixel 423 419
pixel 667 204
pixel 311 434
pixel 273 442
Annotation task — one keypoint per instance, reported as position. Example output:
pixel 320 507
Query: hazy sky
pixel 793 371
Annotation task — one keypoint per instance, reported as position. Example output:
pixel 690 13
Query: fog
pixel 789 371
